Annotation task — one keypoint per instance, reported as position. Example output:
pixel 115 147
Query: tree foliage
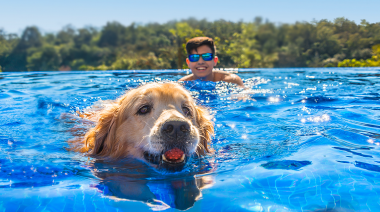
pixel 374 61
pixel 338 43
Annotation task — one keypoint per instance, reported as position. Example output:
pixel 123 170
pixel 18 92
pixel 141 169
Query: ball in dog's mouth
pixel 174 155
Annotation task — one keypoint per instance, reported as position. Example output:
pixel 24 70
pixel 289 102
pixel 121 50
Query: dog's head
pixel 157 123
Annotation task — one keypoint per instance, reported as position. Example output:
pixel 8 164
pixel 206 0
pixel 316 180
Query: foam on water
pixel 295 140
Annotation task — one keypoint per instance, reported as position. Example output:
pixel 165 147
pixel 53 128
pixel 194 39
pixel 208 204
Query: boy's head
pixel 199 59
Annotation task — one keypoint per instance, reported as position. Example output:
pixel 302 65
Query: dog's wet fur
pixel 148 123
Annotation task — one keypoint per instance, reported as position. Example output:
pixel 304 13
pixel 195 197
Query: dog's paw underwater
pixel 158 123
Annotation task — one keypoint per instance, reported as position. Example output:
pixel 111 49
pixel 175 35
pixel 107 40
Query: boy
pixel 201 60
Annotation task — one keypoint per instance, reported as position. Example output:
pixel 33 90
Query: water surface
pixel 308 141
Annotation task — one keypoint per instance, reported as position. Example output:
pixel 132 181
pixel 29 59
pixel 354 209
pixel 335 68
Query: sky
pixel 51 16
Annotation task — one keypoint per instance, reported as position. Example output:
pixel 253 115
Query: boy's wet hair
pixel 196 42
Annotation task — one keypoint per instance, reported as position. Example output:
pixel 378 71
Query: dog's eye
pixel 144 110
pixel 186 111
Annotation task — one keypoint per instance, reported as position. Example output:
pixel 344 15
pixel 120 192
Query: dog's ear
pixel 206 129
pixel 99 139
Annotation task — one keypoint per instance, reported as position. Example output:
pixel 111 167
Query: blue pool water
pixel 309 142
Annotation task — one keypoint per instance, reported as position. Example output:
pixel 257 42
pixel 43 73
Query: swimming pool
pixel 309 142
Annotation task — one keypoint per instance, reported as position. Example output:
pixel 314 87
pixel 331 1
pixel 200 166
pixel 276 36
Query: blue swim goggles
pixel 205 57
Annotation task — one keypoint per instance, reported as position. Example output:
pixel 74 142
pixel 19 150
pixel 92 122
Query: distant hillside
pixel 161 46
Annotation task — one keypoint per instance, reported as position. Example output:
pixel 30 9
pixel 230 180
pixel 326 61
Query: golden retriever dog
pixel 158 123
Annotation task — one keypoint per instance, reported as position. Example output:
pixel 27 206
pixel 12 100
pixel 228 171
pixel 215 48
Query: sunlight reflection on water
pixel 296 139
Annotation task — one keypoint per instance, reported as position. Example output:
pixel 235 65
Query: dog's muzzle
pixel 175 133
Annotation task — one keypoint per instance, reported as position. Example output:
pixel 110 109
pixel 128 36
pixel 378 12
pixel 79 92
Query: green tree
pixel 43 59
pixel 159 46
pixel 182 33
pixel 373 62
pixel 112 35
pixel 244 47
pixel 65 36
pixel 17 59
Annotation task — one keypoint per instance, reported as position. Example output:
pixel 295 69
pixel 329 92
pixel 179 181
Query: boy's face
pixel 201 68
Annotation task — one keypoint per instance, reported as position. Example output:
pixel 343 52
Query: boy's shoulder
pixel 227 77
pixel 187 78
pixel 219 76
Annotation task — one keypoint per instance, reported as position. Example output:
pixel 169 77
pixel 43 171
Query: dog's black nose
pixel 175 129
